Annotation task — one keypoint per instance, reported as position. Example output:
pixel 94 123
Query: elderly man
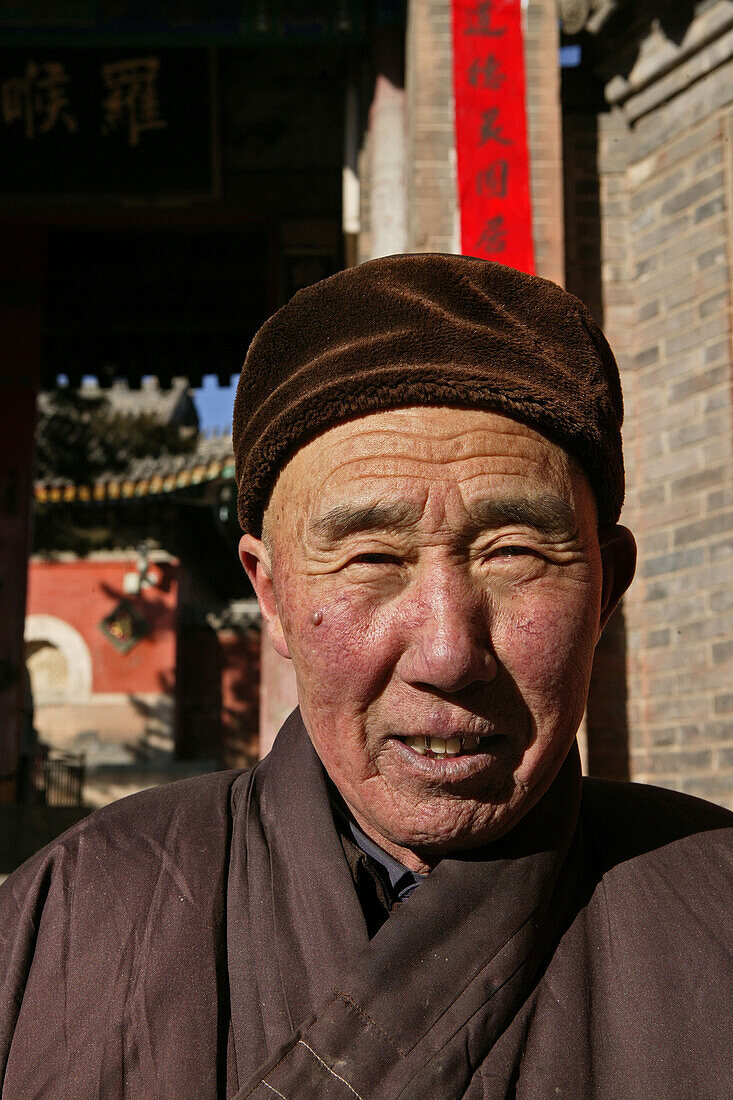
pixel 414 895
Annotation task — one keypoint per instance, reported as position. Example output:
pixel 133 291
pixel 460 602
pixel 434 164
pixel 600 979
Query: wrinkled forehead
pixel 423 455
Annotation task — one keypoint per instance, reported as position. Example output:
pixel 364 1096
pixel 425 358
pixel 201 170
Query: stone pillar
pixel 387 152
pixel 350 183
pixel 20 331
pixel 278 692
pixel 240 692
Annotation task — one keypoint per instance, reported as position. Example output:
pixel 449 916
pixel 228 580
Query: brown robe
pixel 205 940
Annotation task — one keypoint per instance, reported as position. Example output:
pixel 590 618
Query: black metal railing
pixel 58 779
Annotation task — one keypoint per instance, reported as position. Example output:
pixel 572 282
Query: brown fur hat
pixel 428 329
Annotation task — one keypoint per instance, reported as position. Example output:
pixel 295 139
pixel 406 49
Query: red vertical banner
pixel 491 132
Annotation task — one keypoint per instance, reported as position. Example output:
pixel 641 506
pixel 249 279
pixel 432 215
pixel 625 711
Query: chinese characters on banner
pixel 491 132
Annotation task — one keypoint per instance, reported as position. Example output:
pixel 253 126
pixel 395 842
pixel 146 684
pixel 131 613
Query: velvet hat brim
pixel 428 329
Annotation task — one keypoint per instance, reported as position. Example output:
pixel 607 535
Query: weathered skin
pixel 447 617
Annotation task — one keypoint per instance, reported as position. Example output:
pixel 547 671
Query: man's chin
pixel 442 827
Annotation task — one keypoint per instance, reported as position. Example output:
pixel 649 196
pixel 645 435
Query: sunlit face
pixel 436 574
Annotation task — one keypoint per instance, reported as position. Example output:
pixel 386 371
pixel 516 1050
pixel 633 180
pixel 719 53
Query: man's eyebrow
pixel 546 513
pixel 351 519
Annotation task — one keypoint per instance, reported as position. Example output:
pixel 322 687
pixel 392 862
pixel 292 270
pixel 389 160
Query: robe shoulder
pixel 103 918
pixel 624 821
pixel 641 983
pixel 187 817
pixel 659 869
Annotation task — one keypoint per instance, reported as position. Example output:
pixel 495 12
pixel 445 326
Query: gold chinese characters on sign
pixel 38 100
pixel 41 99
pixel 132 101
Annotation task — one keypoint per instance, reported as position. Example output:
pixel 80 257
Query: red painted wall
pixel 82 593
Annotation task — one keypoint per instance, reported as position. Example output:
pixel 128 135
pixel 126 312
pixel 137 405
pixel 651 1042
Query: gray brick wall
pixel 666 185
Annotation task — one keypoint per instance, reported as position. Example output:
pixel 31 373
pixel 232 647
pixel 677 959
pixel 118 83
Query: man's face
pixel 437 581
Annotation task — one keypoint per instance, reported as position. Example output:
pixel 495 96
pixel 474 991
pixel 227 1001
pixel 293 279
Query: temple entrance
pixel 171 196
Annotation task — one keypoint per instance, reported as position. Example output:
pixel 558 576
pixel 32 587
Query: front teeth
pixel 439 746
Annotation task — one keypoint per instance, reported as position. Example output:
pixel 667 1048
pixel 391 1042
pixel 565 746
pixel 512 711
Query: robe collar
pixel 467 946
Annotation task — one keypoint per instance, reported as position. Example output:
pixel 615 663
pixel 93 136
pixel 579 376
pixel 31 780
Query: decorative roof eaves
pixel 664 67
pixel 584 15
pixel 147 477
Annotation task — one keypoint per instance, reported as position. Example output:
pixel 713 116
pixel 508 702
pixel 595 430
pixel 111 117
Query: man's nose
pixel 449 638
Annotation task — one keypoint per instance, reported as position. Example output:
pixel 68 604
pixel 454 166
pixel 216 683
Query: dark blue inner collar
pixel 402 880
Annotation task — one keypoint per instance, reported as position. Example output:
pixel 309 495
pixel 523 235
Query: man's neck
pixel 402 879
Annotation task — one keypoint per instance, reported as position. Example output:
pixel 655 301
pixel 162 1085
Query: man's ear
pixel 618 556
pixel 255 558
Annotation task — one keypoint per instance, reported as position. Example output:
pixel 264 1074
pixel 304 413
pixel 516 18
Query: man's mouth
pixel 440 746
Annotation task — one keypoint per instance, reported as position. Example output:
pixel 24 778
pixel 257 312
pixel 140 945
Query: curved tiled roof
pixel 212 460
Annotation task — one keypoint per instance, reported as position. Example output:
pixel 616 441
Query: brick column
pixel 544 131
pixel 278 692
pixel 612 703
pixel 431 180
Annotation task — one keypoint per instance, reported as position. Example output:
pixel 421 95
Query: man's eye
pixel 512 552
pixel 374 559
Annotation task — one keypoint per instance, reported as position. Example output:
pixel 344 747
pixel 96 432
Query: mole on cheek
pixel 317 618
